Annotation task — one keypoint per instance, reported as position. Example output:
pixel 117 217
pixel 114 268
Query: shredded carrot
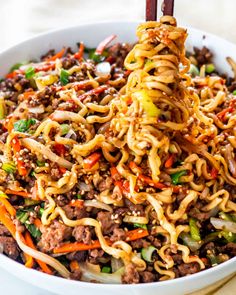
pixel 17 193
pixel 136 234
pixel 170 161
pixel 102 45
pixel 78 55
pixel 114 173
pixel 76 203
pixel 26 95
pixel 13 74
pixel 37 223
pixel 29 243
pixel 6 220
pixel 16 149
pixel 9 123
pixel 149 181
pixel 74 265
pixel 11 210
pixel 57 55
pixel 29 260
pixel 77 246
pixel 62 170
pixel 91 160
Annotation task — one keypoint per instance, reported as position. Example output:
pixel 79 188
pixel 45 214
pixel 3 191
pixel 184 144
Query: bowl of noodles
pixel 117 159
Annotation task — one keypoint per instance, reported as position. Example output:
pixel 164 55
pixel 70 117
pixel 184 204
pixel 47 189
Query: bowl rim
pixel 189 278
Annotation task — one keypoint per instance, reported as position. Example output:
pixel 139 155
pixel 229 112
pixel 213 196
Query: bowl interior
pixel 91 35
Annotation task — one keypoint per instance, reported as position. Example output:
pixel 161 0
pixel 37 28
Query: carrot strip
pixel 114 173
pixel 6 220
pixel 18 193
pixel 77 246
pixel 29 243
pixel 16 149
pixel 169 162
pixel 37 223
pixel 76 203
pixel 57 55
pixel 151 182
pixel 11 210
pixel 78 55
pixel 136 234
pixel 74 265
pixel 102 45
pixel 29 260
pixel 91 160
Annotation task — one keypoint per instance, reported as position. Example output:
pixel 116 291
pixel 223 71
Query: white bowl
pixel 92 34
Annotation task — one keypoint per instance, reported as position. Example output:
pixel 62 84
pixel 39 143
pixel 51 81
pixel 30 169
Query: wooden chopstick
pixel 151 10
pixel 168 7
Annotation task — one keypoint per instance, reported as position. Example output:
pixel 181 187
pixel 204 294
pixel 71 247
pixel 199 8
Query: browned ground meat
pixel 105 184
pixel 53 235
pixel 95 255
pixel 140 243
pixel 68 63
pixel 76 275
pixel 230 249
pixel 75 212
pixel 146 277
pixel 79 256
pixel 203 55
pixel 4 231
pixel 82 234
pixel 118 234
pixel 188 268
pixel 108 225
pixel 139 209
pixel 131 275
pixel 9 247
pixel 55 173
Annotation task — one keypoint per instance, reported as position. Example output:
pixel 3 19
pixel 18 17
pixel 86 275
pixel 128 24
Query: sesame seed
pixel 140 231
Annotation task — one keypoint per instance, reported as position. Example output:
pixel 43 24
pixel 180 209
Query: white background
pixel 21 19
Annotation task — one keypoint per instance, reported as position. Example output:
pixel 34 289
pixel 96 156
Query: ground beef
pixel 199 215
pixel 118 235
pixel 76 275
pixel 230 249
pixel 105 184
pixel 79 256
pixel 147 277
pixel 53 235
pixel 131 275
pixel 134 208
pixel 67 63
pixel 55 173
pixel 140 243
pixel 82 234
pixel 3 137
pixel 203 55
pixel 188 268
pixel 4 231
pixel 177 258
pixel 62 200
pixel 108 225
pixel 95 255
pixel 155 241
pixel 75 212
pixel 119 51
pixel 9 247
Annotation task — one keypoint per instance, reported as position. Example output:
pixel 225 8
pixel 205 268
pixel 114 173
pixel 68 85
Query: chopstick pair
pixel 151 9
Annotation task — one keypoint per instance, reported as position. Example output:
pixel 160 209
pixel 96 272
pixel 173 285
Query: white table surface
pixel 21 19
